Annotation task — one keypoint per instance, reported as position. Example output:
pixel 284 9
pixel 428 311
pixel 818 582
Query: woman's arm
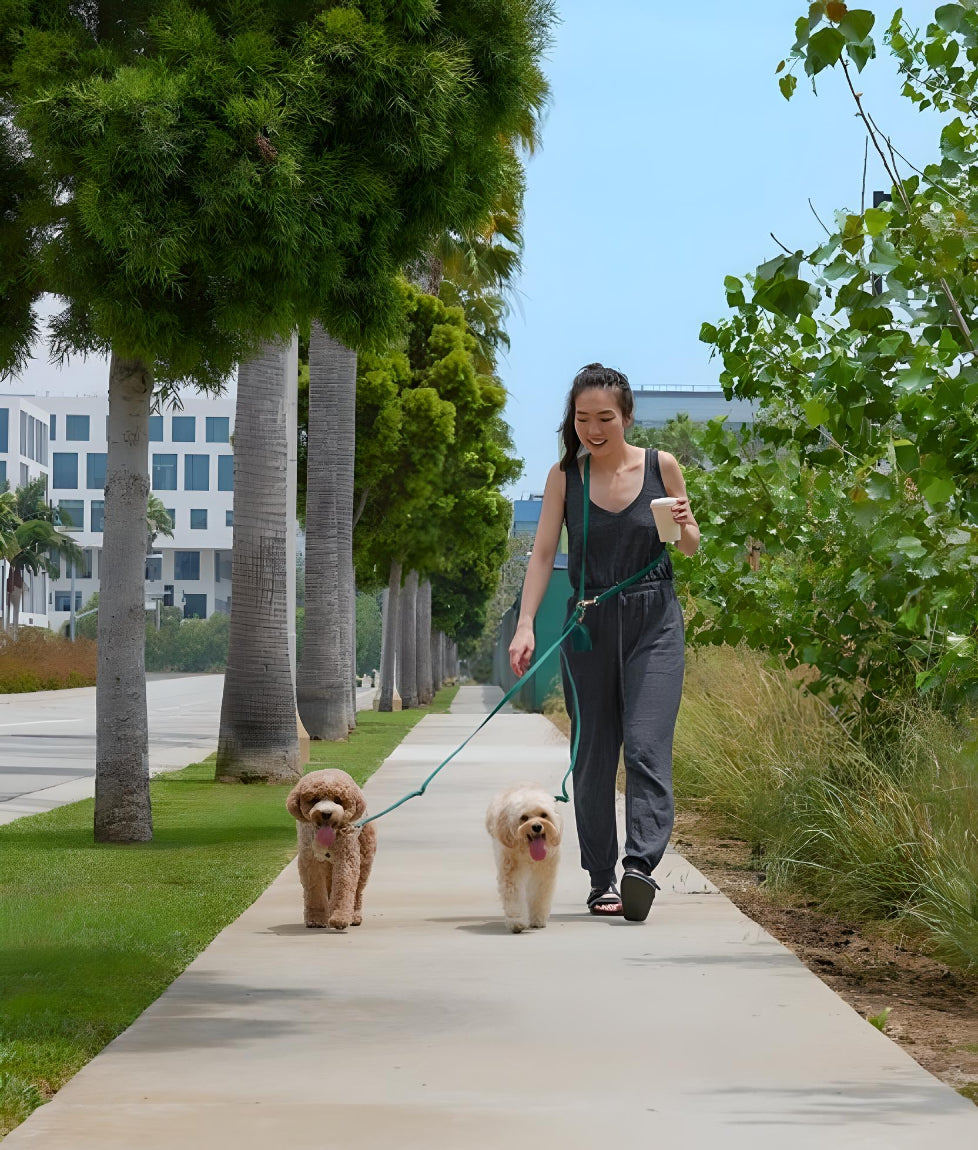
pixel 539 569
pixel 675 485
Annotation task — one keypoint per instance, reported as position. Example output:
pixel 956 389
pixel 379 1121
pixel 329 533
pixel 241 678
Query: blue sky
pixel 669 155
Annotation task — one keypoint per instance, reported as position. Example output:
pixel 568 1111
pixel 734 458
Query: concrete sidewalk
pixel 431 1026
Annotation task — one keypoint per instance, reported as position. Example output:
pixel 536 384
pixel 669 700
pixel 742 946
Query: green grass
pixel 878 830
pixel 91 934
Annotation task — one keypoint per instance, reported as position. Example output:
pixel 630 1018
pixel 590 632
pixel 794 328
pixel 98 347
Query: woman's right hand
pixel 521 649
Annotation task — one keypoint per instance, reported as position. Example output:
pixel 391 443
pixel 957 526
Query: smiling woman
pixel 628 683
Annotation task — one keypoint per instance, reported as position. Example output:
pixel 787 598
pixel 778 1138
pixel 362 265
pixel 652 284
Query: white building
pixel 656 405
pixel 191 468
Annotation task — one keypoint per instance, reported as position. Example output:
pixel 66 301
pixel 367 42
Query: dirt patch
pixel 933 1009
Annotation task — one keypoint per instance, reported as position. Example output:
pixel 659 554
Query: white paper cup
pixel 669 530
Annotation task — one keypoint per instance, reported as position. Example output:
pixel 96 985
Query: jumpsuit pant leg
pixel 653 663
pixel 595 674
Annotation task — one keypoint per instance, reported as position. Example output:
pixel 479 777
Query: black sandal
pixel 601 899
pixel 637 895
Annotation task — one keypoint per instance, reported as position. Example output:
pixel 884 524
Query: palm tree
pixel 388 648
pixel 324 681
pixel 258 738
pixel 426 690
pixel 407 658
pixel 31 548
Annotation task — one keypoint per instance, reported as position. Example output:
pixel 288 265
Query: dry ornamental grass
pixel 39 660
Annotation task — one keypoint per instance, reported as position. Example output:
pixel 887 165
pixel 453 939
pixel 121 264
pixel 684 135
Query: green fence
pixel 550 622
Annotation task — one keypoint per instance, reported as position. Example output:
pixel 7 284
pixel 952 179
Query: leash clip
pixel 582 606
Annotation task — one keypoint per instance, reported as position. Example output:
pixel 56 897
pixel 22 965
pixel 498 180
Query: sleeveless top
pixel 619 542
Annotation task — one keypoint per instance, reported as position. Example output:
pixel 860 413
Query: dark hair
pixel 593 375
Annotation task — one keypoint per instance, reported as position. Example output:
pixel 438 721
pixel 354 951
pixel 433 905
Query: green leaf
pixel 860 54
pixel 708 333
pixel 950 17
pixel 916 378
pixel 815 412
pixel 857 24
pixel 824 49
pixel 937 489
pixel 906 455
pixel 876 220
pixel 787 84
pixel 911 546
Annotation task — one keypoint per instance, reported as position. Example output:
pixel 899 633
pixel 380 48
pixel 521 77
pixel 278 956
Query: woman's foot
pixel 638 893
pixel 605 902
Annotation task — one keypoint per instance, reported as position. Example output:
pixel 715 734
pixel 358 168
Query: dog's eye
pixel 523 818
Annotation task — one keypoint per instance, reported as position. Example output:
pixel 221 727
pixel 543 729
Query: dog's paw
pixel 537 923
pixel 357 919
pixel 316 920
pixel 339 921
pixel 516 925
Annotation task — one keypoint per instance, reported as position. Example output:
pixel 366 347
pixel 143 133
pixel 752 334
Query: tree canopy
pixel 863 485
pixel 191 178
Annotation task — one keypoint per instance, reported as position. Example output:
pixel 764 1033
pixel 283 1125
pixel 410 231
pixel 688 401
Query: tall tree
pixel 407 652
pixel 392 598
pixel 426 688
pixel 258 735
pixel 328 653
pixel 175 168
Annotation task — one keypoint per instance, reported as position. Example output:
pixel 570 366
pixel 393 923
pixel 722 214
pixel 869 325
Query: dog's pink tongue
pixel 326 836
pixel 538 849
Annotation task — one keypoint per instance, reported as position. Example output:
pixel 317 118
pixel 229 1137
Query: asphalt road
pixel 47 738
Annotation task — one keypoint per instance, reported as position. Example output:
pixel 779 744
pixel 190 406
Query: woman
pixel 629 683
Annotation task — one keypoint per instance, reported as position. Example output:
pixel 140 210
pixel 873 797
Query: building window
pixel 25 475
pixel 65 470
pixel 198 519
pixel 218 429
pixel 62 600
pixel 42 443
pixel 4 427
pixel 172 512
pixel 96 470
pixel 98 515
pixel 54 558
pixel 195 606
pixel 225 473
pixel 228 518
pixel 156 429
pixel 76 427
pixel 196 472
pixel 72 513
pixel 54 427
pixel 164 472
pixel 186 564
pixel 154 568
pixel 3 472
pixel 183 429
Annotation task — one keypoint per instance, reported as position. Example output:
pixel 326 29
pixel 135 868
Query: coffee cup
pixel 669 530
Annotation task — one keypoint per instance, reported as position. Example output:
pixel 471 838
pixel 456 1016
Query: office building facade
pixel 191 469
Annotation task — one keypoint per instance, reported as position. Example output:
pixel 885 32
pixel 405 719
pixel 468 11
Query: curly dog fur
pixel 521 820
pixel 332 877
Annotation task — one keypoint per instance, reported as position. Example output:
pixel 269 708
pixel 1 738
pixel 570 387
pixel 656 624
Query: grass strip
pixel 91 934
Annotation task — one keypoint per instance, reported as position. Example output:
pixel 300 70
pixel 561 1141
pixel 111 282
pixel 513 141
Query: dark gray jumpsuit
pixel 629 684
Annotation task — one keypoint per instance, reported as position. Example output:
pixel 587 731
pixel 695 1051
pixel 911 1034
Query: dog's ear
pixel 359 805
pixel 293 804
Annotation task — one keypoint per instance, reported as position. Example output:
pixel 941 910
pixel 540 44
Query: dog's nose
pixel 537 828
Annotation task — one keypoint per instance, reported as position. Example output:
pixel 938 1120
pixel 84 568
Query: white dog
pixel 526 830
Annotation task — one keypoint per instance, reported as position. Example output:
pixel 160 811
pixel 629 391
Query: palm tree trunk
pixel 435 661
pixel 122 804
pixel 426 689
pixel 407 662
pixel 258 739
pixel 388 642
pixel 323 687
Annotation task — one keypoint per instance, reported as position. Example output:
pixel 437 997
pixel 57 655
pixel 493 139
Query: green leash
pixel 581 641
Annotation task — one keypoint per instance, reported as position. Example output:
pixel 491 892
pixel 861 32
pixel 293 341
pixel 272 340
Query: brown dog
pixel 335 856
